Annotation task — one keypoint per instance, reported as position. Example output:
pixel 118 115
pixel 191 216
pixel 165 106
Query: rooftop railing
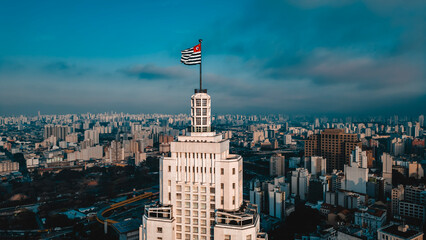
pixel 159 211
pixel 246 215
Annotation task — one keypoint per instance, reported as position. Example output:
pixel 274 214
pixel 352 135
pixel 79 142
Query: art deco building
pixel 334 145
pixel 201 187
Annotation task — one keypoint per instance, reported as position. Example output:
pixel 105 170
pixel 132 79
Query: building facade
pixel 413 205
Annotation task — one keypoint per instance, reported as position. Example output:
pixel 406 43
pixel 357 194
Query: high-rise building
pixel 277 203
pixel 201 195
pixel 116 152
pixel 60 132
pixel 72 138
pixel 334 145
pixel 258 136
pixel 422 120
pixel 317 123
pixel 317 189
pixel 277 165
pixel 387 162
pixel 317 165
pixel 397 146
pixel 356 172
pixel 287 139
pixel 416 130
pixel 397 196
pixel 409 129
pixel 256 195
pixel 92 135
pixel 300 183
pixel 414 203
pixel 337 180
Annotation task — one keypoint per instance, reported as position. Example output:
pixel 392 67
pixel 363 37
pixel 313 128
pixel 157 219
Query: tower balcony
pixel 157 210
pixel 245 216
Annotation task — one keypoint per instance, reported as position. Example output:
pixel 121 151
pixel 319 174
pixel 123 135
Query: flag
pixel 191 56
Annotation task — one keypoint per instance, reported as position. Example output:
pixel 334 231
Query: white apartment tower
pixel 201 187
pixel 356 172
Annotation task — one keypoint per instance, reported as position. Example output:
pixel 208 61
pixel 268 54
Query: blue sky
pixel 294 56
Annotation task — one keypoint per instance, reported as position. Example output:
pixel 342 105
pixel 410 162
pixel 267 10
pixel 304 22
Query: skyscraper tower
pixel 334 145
pixel 201 187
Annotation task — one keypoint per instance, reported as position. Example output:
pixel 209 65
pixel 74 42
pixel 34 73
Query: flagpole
pixel 201 85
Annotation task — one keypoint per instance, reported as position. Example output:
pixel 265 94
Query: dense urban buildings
pixel 313 127
pixel 381 183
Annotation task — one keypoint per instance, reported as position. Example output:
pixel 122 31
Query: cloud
pixel 65 68
pixel 327 67
pixel 10 66
pixel 153 72
pixel 272 56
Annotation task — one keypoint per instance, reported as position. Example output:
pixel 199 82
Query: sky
pixel 259 57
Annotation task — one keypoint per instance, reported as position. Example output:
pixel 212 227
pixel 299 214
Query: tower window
pixel 204 111
pixel 198 101
pixel 204 102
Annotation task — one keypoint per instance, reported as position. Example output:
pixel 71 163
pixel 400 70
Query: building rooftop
pixel 400 231
pixel 373 211
pixel 127 226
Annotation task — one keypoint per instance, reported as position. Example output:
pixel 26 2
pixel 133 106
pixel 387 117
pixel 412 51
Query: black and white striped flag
pixel 191 56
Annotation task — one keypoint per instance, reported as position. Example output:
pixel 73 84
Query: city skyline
pixel 301 119
pixel 328 57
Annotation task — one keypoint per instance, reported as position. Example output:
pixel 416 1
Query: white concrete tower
pixel 201 187
pixel 200 112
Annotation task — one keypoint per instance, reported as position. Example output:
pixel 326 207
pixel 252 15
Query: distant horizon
pixel 314 57
pixel 291 116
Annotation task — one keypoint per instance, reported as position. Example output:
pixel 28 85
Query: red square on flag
pixel 197 48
